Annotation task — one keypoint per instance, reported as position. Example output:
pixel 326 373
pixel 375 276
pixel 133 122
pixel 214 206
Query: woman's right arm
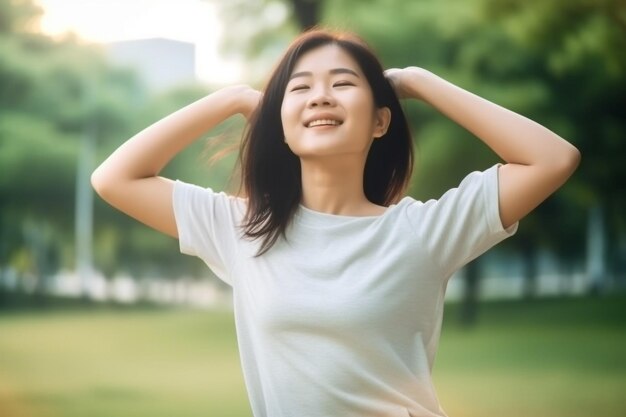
pixel 128 179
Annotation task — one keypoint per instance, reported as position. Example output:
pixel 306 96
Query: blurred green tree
pixel 577 50
pixel 52 93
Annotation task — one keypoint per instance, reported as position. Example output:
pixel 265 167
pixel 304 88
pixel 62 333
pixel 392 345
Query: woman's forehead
pixel 325 59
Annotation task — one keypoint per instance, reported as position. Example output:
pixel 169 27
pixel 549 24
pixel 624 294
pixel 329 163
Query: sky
pixel 194 21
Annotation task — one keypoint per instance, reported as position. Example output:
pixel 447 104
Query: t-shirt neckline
pixel 310 217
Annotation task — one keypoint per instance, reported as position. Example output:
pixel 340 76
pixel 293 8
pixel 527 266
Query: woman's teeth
pixel 323 122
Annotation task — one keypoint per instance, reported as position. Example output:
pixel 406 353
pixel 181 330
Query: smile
pixel 323 122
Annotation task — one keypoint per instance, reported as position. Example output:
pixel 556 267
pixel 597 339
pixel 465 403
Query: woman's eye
pixel 299 87
pixel 343 83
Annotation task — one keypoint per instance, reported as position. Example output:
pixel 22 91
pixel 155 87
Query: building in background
pixel 161 63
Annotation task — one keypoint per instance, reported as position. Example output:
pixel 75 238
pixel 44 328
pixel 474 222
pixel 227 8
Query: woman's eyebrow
pixel 332 71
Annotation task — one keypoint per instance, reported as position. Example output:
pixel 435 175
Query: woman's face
pixel 328 107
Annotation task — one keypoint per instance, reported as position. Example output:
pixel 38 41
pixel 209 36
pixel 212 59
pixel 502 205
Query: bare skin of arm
pixel 538 161
pixel 128 179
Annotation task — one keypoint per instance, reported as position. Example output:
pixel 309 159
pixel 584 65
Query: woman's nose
pixel 321 98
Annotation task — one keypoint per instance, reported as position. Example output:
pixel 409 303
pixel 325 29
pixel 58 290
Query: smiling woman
pixel 337 169
pixel 338 278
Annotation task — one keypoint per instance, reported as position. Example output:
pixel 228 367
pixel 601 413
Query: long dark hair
pixel 271 175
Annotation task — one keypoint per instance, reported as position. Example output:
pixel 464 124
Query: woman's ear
pixel 382 118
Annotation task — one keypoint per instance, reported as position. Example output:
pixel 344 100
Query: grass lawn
pixel 548 358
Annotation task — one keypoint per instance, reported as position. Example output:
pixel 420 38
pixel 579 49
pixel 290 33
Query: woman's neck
pixel 336 187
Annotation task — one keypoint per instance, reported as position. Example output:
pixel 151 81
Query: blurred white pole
pixel 84 196
pixel 596 250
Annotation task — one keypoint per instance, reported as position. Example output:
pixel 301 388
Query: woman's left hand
pixel 538 161
pixel 406 80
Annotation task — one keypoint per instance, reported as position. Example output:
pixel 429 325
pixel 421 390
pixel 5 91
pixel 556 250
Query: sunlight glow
pixel 102 21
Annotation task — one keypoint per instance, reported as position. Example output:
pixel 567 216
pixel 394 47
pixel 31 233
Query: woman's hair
pixel 271 175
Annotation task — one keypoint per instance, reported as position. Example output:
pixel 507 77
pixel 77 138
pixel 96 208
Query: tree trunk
pixel 469 304
pixel 529 256
pixel 306 12
pixel 596 250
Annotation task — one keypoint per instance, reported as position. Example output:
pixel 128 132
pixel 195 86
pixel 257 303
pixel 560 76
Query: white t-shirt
pixel 342 318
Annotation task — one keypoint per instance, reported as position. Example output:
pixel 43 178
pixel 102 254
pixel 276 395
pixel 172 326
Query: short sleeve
pixel 208 226
pixel 462 224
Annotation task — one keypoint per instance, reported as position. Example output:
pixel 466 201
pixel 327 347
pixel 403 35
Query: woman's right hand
pixel 406 81
pixel 250 99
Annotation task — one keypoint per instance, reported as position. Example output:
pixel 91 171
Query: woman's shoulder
pixel 200 195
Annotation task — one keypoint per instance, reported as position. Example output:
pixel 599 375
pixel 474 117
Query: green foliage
pixel 44 114
pixel 261 30
pixel 576 48
pixel 53 95
pixel 36 160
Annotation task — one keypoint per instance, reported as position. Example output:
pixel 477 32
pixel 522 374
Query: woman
pixel 338 281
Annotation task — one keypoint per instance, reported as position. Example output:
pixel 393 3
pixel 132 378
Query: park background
pixel 101 316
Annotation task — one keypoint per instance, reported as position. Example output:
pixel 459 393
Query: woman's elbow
pixel 101 182
pixel 567 162
pixel 572 159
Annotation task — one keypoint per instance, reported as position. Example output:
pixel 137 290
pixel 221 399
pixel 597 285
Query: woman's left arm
pixel 538 161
